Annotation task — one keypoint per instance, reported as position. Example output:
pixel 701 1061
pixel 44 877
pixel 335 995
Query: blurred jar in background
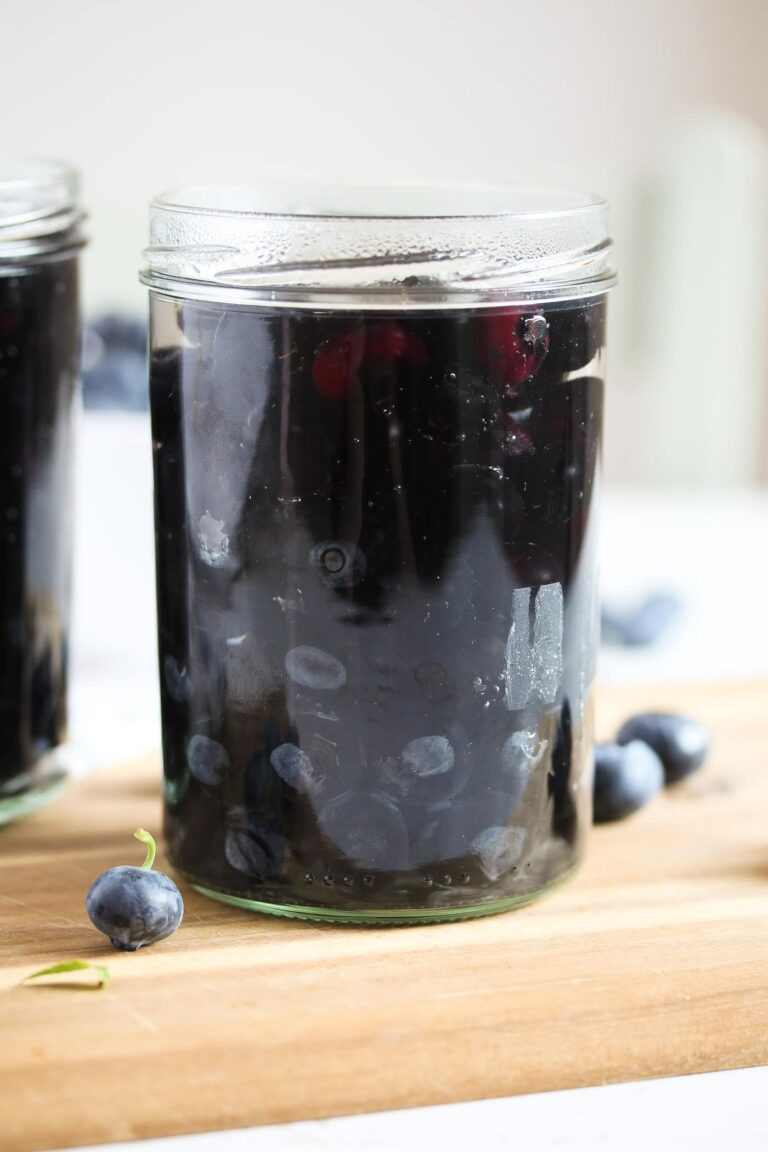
pixel 40 239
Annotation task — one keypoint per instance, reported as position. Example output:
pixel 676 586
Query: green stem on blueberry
pixel 147 839
pixel 74 966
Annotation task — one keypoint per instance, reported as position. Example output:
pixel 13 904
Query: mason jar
pixel 376 420
pixel 40 239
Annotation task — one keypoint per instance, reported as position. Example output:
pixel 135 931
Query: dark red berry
pixel 515 345
pixel 337 362
pixel 389 341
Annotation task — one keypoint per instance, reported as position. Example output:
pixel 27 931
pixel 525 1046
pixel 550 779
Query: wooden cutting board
pixel 653 962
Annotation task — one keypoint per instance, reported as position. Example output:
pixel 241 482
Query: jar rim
pixel 543 201
pixel 39 207
pixel 429 243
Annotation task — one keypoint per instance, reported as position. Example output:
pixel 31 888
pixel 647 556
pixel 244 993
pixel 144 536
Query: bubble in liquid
pixel 498 849
pixel 339 563
pixel 313 668
pixel 208 761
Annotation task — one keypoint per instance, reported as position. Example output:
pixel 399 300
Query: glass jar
pixel 40 239
pixel 376 438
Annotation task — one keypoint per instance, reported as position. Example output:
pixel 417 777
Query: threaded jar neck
pixel 40 214
pixel 395 246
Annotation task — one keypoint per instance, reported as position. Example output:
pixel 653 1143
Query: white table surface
pixel 711 549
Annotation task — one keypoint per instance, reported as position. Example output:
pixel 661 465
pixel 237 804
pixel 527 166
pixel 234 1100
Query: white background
pixel 151 94
pixel 661 105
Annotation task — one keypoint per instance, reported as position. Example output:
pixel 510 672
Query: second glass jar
pixel 376 455
pixel 40 242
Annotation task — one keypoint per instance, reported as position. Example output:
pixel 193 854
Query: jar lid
pixel 394 245
pixel 39 209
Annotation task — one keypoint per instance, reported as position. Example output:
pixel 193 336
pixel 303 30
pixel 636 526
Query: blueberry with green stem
pixel 135 906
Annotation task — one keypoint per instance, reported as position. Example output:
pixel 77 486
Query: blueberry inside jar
pixel 40 239
pixel 376 442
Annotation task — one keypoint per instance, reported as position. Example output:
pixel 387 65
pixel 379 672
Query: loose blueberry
pixel 626 777
pixel 680 742
pixel 135 906
pixel 645 624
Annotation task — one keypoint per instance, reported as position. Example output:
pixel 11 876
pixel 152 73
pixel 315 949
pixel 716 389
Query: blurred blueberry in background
pixel 114 364
pixel 643 625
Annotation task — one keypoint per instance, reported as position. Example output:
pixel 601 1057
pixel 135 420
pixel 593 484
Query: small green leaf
pixel 147 839
pixel 74 966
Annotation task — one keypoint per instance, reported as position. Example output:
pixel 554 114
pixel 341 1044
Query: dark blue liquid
pixel 375 557
pixel 39 355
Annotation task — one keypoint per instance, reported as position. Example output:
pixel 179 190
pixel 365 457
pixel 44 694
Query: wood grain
pixel 651 963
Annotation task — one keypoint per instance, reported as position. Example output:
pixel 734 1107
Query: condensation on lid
pixel 429 241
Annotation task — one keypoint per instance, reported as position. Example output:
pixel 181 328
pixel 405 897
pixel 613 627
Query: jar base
pixel 34 789
pixel 378 917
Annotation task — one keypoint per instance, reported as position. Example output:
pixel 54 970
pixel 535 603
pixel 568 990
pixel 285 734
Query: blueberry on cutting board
pixel 680 742
pixel 135 906
pixel 626 778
